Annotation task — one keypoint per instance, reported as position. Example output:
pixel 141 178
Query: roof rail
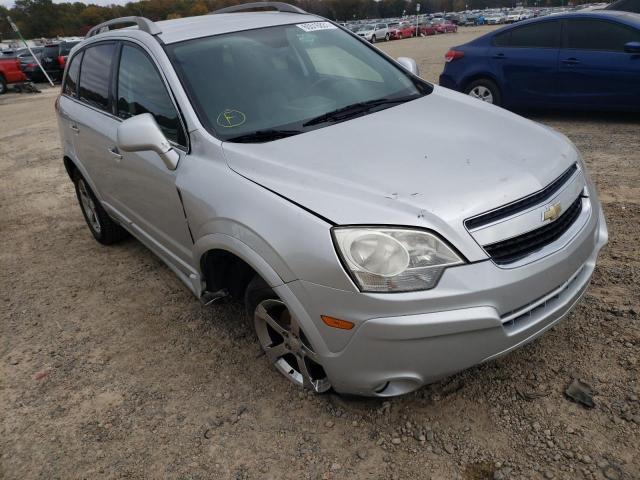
pixel 143 23
pixel 279 6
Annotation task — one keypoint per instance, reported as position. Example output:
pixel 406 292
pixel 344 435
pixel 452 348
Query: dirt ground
pixel 109 368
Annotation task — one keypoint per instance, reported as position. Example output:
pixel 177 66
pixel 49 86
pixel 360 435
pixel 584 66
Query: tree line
pixel 43 18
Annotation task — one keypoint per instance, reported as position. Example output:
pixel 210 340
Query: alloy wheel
pixel 89 207
pixel 286 346
pixel 481 92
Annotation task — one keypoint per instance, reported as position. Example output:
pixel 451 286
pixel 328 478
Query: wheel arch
pixel 69 166
pixel 227 263
pixel 480 75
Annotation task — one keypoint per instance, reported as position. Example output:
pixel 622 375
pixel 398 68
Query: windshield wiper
pixel 263 136
pixel 355 109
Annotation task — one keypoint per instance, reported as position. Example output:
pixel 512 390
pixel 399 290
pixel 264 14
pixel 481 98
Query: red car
pixel 444 26
pixel 427 29
pixel 404 30
pixel 10 72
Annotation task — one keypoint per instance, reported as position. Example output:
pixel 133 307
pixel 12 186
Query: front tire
pixel 386 37
pixel 3 85
pixel 373 39
pixel 102 227
pixel 282 339
pixel 485 90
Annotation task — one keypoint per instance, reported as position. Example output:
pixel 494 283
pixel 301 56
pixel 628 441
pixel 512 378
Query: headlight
pixel 393 259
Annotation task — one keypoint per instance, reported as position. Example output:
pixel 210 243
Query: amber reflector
pixel 336 322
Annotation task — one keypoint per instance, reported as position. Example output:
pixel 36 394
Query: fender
pixel 222 241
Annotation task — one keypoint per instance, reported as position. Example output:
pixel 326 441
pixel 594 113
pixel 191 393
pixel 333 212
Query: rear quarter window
pixel 71 81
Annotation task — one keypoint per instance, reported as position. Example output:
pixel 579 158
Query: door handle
pixel 571 61
pixel 114 152
pixel 74 127
pixel 499 56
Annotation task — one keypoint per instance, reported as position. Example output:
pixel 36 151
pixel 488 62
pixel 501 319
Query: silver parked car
pixel 375 32
pixel 382 232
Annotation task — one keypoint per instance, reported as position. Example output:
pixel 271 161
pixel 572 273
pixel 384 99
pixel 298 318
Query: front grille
pixel 523 204
pixel 513 249
pixel 531 312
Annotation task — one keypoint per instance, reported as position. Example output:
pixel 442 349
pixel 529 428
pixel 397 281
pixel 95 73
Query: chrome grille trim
pixel 522 204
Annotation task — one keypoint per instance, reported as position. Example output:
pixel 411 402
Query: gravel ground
pixel 109 368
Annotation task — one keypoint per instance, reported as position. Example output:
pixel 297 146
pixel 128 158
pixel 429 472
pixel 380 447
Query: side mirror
pixel 632 47
pixel 142 133
pixel 409 64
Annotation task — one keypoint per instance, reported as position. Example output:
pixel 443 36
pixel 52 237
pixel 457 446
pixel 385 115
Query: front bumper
pixel 478 312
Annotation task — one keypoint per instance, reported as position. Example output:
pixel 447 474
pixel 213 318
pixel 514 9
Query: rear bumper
pixel 448 81
pixel 478 312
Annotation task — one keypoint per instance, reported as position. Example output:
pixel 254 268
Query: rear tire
pixel 282 339
pixel 102 226
pixel 485 90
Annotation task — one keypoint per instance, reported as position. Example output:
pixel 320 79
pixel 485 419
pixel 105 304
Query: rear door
pixel 93 121
pixel 595 71
pixel 525 59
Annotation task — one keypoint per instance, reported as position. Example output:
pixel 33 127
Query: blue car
pixel 585 60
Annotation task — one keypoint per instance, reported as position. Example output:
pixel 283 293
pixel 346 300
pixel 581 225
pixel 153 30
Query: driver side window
pixel 141 90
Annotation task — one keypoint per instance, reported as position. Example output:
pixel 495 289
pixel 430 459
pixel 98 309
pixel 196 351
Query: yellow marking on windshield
pixel 231 118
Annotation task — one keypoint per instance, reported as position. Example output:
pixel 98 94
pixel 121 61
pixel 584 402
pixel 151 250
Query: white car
pixel 497 19
pixel 513 17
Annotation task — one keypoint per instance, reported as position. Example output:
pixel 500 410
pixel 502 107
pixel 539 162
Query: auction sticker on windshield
pixel 316 26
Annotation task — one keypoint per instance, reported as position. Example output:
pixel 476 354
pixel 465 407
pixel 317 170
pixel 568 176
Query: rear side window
pixel 71 82
pixel 141 90
pixel 535 35
pixel 599 35
pixel 95 74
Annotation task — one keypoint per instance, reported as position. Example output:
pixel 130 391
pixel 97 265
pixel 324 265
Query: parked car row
pixel 52 57
pixel 375 32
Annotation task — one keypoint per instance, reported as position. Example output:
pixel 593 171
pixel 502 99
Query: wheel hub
pixel 286 347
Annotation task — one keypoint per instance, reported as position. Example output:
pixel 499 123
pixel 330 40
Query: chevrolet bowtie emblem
pixel 552 212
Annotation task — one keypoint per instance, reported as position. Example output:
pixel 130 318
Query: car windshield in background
pixel 51 51
pixel 66 47
pixel 263 84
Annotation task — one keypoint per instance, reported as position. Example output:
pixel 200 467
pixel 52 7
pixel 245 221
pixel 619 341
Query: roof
pixel 626 17
pixel 182 29
pixel 625 5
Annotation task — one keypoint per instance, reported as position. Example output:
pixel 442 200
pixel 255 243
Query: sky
pixel 9 3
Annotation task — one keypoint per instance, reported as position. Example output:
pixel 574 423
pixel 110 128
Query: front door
pixel 143 188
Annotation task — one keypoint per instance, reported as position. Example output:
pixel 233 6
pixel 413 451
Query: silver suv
pixel 382 232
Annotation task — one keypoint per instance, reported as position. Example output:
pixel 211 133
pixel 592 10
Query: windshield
pixel 51 51
pixel 287 77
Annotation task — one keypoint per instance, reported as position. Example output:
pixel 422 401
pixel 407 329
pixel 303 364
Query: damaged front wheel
pixel 282 338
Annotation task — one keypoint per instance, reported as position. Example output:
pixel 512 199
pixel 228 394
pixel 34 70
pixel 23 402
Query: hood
pixel 431 162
